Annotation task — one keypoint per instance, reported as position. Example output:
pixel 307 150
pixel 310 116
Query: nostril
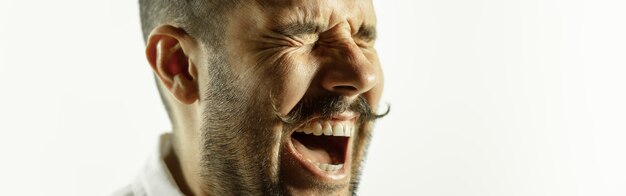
pixel 345 88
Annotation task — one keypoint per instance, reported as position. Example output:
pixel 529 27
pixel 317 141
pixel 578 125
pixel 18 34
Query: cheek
pixel 374 95
pixel 294 82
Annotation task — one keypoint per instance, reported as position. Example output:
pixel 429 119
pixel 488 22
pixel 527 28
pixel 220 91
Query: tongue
pixel 312 150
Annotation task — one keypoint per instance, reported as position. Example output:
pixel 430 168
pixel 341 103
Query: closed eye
pixel 365 36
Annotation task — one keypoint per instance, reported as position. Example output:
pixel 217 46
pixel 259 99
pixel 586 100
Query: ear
pixel 170 52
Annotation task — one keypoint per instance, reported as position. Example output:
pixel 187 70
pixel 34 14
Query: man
pixel 265 97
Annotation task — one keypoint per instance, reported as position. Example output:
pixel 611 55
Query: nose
pixel 350 73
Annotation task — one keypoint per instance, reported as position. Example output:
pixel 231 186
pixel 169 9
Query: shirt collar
pixel 155 178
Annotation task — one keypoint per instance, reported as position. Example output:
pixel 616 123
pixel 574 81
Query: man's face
pixel 288 103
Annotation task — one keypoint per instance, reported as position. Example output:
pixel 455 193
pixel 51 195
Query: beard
pixel 242 135
pixel 238 142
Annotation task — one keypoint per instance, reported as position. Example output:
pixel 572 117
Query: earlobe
pixel 185 90
pixel 166 53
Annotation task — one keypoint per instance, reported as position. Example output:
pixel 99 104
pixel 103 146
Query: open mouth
pixel 324 143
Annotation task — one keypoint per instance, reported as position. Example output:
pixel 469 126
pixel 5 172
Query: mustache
pixel 329 106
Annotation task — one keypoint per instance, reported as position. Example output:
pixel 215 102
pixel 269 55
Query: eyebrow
pixel 365 32
pixel 298 28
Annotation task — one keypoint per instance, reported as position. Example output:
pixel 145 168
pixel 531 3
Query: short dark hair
pixel 203 19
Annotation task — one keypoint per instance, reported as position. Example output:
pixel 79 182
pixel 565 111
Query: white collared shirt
pixel 155 178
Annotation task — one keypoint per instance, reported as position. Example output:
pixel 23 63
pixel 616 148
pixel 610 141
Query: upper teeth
pixel 326 128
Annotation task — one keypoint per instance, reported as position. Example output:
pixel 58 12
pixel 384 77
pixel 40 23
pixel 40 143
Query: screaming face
pixel 287 106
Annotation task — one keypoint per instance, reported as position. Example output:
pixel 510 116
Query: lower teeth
pixel 327 167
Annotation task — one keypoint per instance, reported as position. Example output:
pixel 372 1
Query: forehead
pixel 327 13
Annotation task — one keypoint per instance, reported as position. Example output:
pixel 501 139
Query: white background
pixel 489 97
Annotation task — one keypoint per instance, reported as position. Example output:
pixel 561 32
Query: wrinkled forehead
pixel 326 13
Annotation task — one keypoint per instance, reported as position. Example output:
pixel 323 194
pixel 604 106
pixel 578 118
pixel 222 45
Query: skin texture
pixel 227 103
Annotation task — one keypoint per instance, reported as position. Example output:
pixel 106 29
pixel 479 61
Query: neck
pixel 184 161
pixel 174 166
